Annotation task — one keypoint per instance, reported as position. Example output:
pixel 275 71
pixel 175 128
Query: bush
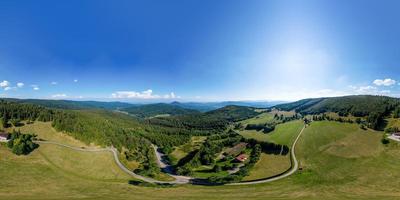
pixel 385 141
pixel 21 144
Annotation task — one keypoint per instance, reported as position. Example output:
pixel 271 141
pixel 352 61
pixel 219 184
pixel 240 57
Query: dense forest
pixel 212 121
pixel 151 110
pixel 72 105
pixel 13 113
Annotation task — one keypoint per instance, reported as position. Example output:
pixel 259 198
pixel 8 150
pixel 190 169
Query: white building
pixel 3 137
pixel 395 136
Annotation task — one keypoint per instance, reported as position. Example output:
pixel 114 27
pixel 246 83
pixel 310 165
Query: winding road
pixel 168 168
pixel 295 166
pixel 117 161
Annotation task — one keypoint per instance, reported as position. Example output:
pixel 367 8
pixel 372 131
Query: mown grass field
pixel 259 119
pixel 270 165
pixel 283 134
pixel 340 161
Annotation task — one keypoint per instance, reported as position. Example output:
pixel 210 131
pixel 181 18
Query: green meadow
pixel 339 161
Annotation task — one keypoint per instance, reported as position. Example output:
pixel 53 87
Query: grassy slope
pixel 259 119
pixel 45 131
pixel 283 133
pixel 270 165
pixel 348 158
pixel 326 175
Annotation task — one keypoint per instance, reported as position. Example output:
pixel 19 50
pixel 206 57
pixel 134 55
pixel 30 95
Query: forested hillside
pixel 75 105
pixel 151 110
pixel 358 106
pixel 212 121
pixel 13 113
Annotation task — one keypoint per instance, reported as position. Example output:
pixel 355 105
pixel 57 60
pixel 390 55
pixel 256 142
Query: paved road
pixel 168 168
pixel 295 165
pixel 117 161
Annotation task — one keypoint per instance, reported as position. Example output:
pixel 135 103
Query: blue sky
pixel 198 50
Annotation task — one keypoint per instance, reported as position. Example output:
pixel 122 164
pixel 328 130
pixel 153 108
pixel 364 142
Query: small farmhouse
pixel 3 137
pixel 241 158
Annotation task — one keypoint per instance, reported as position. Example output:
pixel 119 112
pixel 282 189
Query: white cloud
pixel 171 96
pixel 147 94
pixel 57 96
pixel 369 90
pixel 75 80
pixel 35 87
pixel 53 83
pixel 20 85
pixel 384 82
pixel 9 88
pixel 4 84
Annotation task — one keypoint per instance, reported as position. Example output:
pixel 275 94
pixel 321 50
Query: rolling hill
pixel 208 106
pixel 214 121
pixel 360 105
pixel 72 105
pixel 152 110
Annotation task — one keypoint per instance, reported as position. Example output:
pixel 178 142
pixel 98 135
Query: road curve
pixel 168 169
pixel 117 161
pixel 179 179
pixel 294 167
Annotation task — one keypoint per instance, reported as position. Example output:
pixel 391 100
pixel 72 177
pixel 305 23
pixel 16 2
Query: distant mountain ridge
pixel 208 106
pixel 116 105
pixel 72 105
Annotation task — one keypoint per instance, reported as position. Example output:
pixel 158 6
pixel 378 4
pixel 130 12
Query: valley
pixel 334 159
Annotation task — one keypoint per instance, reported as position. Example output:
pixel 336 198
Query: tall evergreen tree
pixel 4 120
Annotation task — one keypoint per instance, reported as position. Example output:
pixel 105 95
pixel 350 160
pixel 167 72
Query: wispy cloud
pixel 9 88
pixel 147 94
pixel 368 90
pixel 58 96
pixel 53 83
pixel 20 85
pixel 384 82
pixel 35 87
pixel 75 80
